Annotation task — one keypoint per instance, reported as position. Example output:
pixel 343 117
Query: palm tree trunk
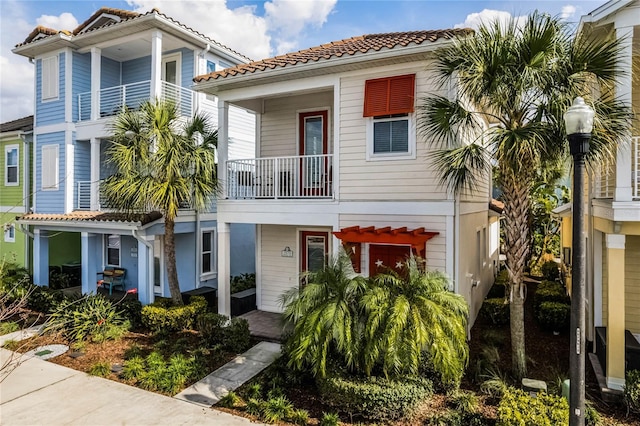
pixel 170 250
pixel 516 212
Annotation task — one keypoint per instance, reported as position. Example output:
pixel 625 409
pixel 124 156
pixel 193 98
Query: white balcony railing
pixel 605 176
pixel 307 176
pixel 83 201
pixel 111 100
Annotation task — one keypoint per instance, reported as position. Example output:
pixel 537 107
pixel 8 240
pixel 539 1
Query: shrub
pixel 517 408
pixel 255 406
pixel 100 369
pixel 496 310
pixel 230 400
pixel 255 390
pixel 277 409
pixel 500 285
pixel 155 374
pixel 210 325
pixel 90 316
pixel 44 299
pixel 131 310
pixel 550 271
pixel 299 417
pixel 133 368
pixel 329 419
pixel 549 291
pixel 591 415
pixel 632 391
pixel 8 327
pixel 553 315
pixel 160 317
pixel 465 402
pixel 111 332
pixel 236 336
pixel 374 398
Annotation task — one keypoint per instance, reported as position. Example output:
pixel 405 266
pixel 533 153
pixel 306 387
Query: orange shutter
pixel 390 95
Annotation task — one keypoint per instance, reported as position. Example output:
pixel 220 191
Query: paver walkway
pixel 232 375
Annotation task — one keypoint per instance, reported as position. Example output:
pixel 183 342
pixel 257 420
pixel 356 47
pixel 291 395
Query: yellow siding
pixel 632 284
pixel 278 128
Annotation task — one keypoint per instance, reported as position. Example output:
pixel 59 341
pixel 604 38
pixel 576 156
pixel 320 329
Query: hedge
pixel 496 310
pixel 160 317
pixel 554 316
pixel 517 408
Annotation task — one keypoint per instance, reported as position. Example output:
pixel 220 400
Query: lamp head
pixel 579 117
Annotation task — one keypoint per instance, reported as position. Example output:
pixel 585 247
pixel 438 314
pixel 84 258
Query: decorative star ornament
pixel 399 265
pixel 379 263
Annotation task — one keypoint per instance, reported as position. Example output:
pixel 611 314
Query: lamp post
pixel 579 123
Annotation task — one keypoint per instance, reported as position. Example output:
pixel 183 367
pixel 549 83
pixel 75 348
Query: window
pixel 208 265
pixel 11 165
pixel 9 233
pixel 389 107
pixel 113 250
pixel 49 168
pixel 50 72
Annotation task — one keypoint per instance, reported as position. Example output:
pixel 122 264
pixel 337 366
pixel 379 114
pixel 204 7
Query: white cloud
pixel 66 21
pixel 487 17
pixel 290 17
pixel 568 11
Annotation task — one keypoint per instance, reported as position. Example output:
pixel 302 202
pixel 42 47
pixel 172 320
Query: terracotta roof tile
pixel 90 216
pixel 37 31
pixel 336 49
pixel 122 14
pixel 496 205
pixel 22 124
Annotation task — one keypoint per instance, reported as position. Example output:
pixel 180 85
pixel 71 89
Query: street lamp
pixel 579 123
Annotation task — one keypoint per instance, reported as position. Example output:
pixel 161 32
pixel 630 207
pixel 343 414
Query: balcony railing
pixel 112 99
pixel 605 176
pixel 83 201
pixel 307 176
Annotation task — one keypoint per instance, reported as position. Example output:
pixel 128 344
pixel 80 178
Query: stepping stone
pixel 47 351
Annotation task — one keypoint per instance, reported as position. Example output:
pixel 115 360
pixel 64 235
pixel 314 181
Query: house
pixel 613 216
pixel 339 162
pixel 84 77
pixel 15 197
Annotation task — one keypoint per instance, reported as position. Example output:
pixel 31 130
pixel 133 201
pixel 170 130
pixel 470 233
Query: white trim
pixel 50 96
pixel 615 383
pixel 176 56
pixel 213 273
pixel 54 128
pixel 68 85
pixel 258 257
pixel 13 209
pixel 390 156
pixel 9 228
pixel 55 185
pixel 69 172
pixel 7 149
pixel 336 138
pixel 615 241
pixel 597 279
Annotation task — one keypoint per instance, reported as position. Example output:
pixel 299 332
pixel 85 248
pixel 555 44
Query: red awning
pixel 416 238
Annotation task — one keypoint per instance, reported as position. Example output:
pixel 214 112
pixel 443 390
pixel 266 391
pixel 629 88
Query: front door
pixel 315 249
pixel 170 76
pixel 313 144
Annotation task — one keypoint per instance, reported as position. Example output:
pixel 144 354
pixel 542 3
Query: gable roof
pixel 24 124
pixel 348 47
pixel 93 19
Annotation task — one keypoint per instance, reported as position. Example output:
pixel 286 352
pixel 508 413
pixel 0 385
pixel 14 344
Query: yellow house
pixel 613 217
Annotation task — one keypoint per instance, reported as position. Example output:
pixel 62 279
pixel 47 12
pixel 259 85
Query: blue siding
pixel 136 70
pixel 50 201
pixel 128 262
pixel 82 164
pixel 81 79
pixel 243 248
pixel 109 73
pixel 50 112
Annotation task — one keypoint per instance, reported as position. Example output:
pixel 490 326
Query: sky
pixel 257 29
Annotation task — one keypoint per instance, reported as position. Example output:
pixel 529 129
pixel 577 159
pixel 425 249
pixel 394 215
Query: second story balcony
pixel 292 177
pixel 611 176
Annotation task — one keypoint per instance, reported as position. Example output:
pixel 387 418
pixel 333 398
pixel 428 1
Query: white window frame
pixel 9 233
pixel 7 150
pixel 389 156
pixel 50 186
pixel 107 247
pixel 50 78
pixel 213 273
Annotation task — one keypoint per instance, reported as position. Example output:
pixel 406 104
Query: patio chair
pixel 112 277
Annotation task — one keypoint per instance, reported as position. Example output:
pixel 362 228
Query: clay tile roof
pixel 24 124
pixel 122 14
pixel 337 49
pixel 496 205
pixel 37 31
pixel 89 216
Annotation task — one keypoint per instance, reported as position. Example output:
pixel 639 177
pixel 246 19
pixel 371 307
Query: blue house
pixel 83 78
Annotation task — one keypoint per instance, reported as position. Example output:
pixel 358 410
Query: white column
pixel 223 144
pixel 156 64
pixel 69 172
pixel 623 92
pixel 224 269
pixel 96 60
pixel 95 174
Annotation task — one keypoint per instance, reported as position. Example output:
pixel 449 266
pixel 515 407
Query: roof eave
pixel 217 85
pixel 106 225
pixel 602 12
pixel 38 47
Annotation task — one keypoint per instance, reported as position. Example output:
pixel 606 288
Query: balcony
pixel 111 100
pixel 307 176
pixel 605 176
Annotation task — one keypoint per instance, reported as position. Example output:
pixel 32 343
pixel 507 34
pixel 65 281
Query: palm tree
pixel 326 317
pixel 161 163
pixel 513 85
pixel 412 318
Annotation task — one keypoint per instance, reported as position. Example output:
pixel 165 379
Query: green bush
pixel 496 310
pixel 255 406
pixel 517 408
pixel 100 369
pixel 549 291
pixel 159 317
pixel 554 316
pixel 209 325
pixel 464 402
pixel 8 327
pixel 500 285
pixel 44 299
pixel 299 417
pixel 131 310
pixel 374 398
pixel 155 374
pixel 277 409
pixel 550 271
pixel 329 419
pixel 88 317
pixel 242 282
pixel 216 329
pixel 632 391
pixel 591 415
pixel 230 400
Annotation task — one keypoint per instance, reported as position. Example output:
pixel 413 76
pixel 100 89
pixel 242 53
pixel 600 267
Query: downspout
pixel 134 233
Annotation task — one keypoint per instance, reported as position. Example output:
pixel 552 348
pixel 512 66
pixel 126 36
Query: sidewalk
pixel 41 392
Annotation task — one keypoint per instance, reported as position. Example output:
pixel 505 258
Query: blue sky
pixel 257 29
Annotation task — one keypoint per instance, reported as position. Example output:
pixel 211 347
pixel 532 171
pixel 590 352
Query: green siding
pixel 64 247
pixel 11 252
pixel 11 195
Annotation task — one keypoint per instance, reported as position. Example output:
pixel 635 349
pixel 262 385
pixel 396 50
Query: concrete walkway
pixel 41 392
pixel 232 375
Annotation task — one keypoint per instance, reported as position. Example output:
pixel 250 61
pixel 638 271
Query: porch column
pixel 624 191
pixel 223 143
pixel 90 250
pixel 96 60
pixel 40 257
pixel 95 175
pixel 224 269
pixel 145 271
pixel 615 311
pixel 156 65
